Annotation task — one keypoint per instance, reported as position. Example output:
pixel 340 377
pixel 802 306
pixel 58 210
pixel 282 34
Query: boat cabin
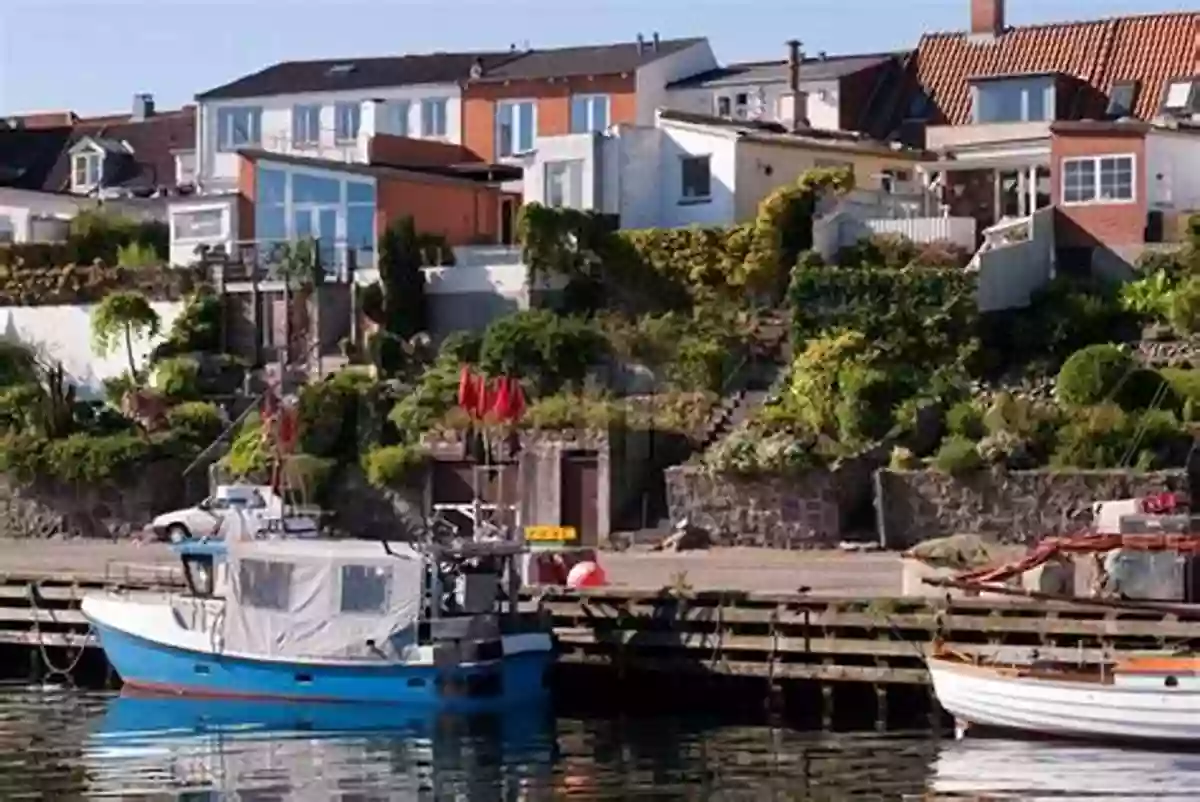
pixel 327 599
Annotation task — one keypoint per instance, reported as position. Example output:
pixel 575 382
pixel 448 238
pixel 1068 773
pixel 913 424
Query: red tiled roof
pixel 1151 49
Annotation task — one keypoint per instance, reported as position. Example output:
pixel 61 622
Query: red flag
pixel 502 405
pixel 484 397
pixel 467 398
pixel 516 401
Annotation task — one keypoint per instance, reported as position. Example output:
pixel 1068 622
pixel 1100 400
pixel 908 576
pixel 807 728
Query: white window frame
pixel 514 104
pixel 728 101
pixel 437 120
pixel 8 229
pixel 1184 85
pixel 221 211
pixel 399 117
pixel 1097 197
pixel 589 124
pixel 243 127
pixel 350 113
pixel 92 164
pixel 689 200
pixel 571 172
pixel 306 131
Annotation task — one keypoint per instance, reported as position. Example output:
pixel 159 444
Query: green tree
pixel 397 301
pixel 123 315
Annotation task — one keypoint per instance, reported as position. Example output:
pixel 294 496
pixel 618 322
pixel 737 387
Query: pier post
pixel 881 708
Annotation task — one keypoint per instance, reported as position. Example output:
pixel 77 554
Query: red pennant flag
pixel 467 398
pixel 516 401
pixel 484 397
pixel 502 406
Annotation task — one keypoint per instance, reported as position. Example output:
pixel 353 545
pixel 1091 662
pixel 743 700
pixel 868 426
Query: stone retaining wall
pixel 808 511
pixel 1016 506
pixel 108 510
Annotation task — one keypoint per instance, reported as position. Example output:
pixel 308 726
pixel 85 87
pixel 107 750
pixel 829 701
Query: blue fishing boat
pixel 432 624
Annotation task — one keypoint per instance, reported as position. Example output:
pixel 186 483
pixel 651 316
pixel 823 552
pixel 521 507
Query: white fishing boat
pixel 1152 698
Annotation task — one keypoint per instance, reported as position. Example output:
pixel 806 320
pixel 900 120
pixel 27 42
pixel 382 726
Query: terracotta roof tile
pixel 1150 49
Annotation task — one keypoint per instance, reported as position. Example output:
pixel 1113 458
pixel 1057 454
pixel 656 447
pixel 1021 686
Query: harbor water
pixel 65 744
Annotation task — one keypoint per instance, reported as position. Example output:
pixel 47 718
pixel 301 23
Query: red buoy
pixel 586 574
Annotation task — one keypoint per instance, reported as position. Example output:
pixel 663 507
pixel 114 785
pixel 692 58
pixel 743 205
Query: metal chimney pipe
pixel 793 46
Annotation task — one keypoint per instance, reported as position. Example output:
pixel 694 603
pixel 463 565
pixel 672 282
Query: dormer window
pixel 341 69
pixel 86 170
pixel 1014 99
pixel 1121 100
pixel 1181 97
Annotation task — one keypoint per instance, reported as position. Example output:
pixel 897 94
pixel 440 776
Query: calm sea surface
pixel 60 744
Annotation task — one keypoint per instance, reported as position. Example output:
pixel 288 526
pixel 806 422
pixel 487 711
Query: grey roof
pixel 330 75
pixel 563 62
pixel 768 72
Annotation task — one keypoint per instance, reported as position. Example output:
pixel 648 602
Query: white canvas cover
pixel 321 599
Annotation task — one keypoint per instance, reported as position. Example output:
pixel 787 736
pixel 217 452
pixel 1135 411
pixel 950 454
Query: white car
pixel 258 505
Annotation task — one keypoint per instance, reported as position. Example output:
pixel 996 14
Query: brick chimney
pixel 793 105
pixel 987 17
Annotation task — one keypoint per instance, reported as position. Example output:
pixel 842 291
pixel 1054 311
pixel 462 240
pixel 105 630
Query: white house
pixel 701 170
pixel 325 109
pixel 835 92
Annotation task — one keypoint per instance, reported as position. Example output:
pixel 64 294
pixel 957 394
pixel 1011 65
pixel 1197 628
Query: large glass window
pixel 308 188
pixel 564 184
pixel 433 117
pixel 589 113
pixel 366 589
pixel 516 121
pixel 695 179
pixel 346 119
pixel 306 125
pixel 264 584
pixel 396 117
pixel 239 127
pixel 271 186
pixel 199 224
pixel 1014 100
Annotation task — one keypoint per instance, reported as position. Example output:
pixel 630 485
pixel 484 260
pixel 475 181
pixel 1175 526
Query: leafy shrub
pixel 747 452
pixel 462 347
pixel 18 363
pixel 541 347
pixel 307 477
pixel 338 416
pixel 178 378
pixel 197 421
pixel 570 411
pixel 903 459
pixel 1184 381
pixel 965 420
pixel 79 457
pixel 394 466
pixel 1093 375
pixel 918 317
pixel 197 328
pixel 942 254
pixel 957 455
pixel 247 453
pixel 699 364
pixel 1106 436
pixel 889 251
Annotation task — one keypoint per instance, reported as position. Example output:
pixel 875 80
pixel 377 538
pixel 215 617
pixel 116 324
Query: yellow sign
pixel 545 534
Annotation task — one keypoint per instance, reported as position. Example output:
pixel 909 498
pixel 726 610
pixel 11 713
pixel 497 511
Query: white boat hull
pixel 1139 709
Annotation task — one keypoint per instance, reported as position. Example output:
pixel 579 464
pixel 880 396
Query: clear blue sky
pixel 93 55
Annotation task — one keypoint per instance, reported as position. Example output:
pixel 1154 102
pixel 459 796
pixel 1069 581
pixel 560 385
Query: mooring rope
pixel 53 670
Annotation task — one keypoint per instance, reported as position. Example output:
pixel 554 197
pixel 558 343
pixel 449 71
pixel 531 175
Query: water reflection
pixel 204 749
pixel 65 745
pixel 986 769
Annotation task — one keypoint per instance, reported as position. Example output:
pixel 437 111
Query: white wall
pixel 568 147
pixel 183 249
pixel 630 182
pixel 215 168
pixel 823 100
pixel 20 205
pixel 1172 171
pixel 652 79
pixel 679 141
pixel 64 334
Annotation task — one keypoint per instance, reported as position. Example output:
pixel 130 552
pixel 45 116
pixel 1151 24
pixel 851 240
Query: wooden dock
pixel 775 637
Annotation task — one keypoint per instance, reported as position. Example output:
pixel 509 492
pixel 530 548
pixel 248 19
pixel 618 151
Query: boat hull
pixel 160 667
pixel 990 698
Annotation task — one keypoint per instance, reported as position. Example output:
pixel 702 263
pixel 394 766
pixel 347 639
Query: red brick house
pixel 1006 107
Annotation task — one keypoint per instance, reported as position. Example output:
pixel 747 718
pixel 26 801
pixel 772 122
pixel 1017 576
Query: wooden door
pixel 580 495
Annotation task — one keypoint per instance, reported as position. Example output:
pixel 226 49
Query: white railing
pixel 959 230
